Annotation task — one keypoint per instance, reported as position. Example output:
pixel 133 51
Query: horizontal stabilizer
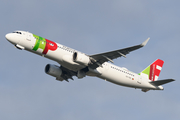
pixel 161 82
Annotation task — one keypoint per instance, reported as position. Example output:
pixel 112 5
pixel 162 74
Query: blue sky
pixel 96 26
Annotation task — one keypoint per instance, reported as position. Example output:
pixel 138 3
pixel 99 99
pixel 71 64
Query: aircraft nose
pixel 8 36
pixel 12 38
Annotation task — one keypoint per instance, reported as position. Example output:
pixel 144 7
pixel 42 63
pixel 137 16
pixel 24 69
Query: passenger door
pixel 28 37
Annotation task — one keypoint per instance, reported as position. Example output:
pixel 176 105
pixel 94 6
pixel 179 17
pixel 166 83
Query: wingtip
pixel 145 42
pixel 172 79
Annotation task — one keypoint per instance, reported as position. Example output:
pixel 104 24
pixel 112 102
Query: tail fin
pixel 152 71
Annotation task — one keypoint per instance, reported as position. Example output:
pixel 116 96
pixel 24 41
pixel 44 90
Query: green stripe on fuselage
pixel 40 43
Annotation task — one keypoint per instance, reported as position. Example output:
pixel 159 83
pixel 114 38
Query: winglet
pixel 145 42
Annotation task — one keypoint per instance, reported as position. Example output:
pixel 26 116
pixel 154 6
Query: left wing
pixel 67 74
pixel 99 59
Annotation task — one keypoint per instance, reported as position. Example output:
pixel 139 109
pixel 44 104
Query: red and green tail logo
pixel 152 72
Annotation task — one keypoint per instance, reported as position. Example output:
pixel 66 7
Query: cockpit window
pixel 17 32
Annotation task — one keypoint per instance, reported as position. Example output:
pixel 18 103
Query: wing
pixel 66 74
pixel 99 59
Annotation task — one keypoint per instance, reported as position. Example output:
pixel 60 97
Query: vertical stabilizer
pixel 152 71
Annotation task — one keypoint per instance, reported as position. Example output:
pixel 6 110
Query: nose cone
pixel 12 38
pixel 8 36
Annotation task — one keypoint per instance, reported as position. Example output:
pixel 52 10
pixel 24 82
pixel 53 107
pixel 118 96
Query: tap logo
pixel 152 71
pixel 44 44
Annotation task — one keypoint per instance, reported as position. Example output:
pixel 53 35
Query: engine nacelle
pixel 81 58
pixel 53 70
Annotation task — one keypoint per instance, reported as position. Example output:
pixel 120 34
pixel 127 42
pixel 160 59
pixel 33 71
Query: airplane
pixel 75 63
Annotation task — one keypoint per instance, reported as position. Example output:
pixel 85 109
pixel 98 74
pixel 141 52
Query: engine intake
pixel 53 70
pixel 81 58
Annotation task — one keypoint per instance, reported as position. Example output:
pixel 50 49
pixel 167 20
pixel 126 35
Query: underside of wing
pixel 109 56
pixel 66 74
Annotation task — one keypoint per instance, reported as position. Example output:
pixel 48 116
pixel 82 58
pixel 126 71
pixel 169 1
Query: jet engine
pixel 81 58
pixel 53 70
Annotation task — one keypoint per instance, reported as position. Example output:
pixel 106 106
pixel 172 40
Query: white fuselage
pixel 64 56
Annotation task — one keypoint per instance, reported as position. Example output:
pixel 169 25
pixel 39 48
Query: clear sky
pixel 93 26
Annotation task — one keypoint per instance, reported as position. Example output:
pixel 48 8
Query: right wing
pixel 99 59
